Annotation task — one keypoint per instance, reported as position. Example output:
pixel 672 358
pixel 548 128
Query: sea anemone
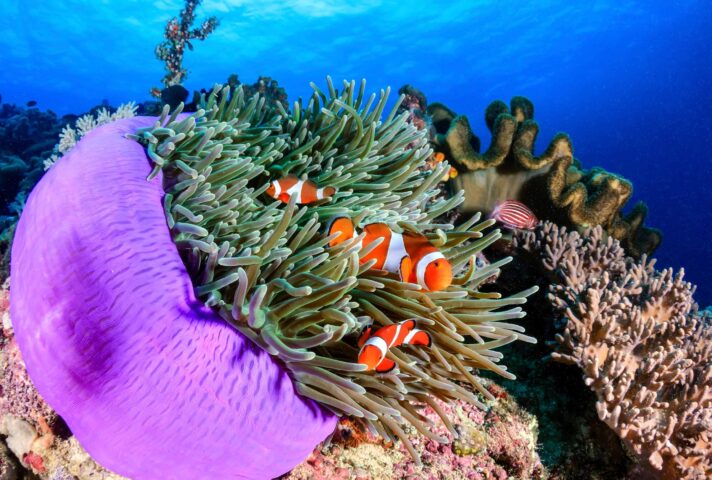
pixel 183 326
pixel 265 266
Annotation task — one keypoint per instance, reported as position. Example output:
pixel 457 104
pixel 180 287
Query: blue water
pixel 631 82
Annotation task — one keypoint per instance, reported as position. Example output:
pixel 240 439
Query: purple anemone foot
pixel 151 382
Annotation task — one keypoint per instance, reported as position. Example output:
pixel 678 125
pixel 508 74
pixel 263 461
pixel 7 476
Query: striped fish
pixel 409 254
pixel 375 346
pixel 514 215
pixel 306 191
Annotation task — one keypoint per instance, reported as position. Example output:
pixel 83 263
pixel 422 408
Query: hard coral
pixel 264 267
pixel 643 347
pixel 553 184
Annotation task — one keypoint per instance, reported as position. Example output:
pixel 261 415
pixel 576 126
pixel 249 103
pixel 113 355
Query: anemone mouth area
pixel 115 340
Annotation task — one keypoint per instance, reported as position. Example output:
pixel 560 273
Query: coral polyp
pixel 265 266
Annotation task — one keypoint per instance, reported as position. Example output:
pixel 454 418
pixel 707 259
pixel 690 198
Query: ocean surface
pixel 631 82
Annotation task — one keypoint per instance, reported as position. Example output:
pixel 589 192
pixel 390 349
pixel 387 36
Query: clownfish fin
pixel 364 336
pixel 385 366
pixel 342 225
pixel 406 268
pixel 284 197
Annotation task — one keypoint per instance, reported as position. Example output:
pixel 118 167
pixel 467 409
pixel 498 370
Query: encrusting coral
pixel 265 267
pixel 643 347
pixel 553 184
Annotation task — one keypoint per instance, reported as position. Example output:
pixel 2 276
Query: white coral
pixel 85 124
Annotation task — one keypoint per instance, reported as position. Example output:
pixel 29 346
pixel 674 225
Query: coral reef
pixel 269 275
pixel 267 87
pixel 553 184
pixel 28 146
pixel 72 133
pixel 26 138
pixel 642 345
pixel 178 34
pixel 497 444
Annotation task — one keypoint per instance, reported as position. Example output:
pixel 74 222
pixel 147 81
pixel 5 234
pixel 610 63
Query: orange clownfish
pixel 375 346
pixel 409 254
pixel 305 190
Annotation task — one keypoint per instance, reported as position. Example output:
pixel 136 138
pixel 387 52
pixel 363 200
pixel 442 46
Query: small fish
pixel 375 346
pixel 306 191
pixel 32 103
pixel 409 254
pixel 514 215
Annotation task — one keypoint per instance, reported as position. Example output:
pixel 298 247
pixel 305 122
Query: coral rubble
pixel 553 184
pixel 643 347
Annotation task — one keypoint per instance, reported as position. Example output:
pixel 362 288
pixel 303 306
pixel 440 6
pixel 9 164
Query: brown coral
pixel 643 347
pixel 553 184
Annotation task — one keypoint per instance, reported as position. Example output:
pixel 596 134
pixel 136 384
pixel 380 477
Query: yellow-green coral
pixel 553 184
pixel 266 268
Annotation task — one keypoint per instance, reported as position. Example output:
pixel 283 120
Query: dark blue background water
pixel 631 82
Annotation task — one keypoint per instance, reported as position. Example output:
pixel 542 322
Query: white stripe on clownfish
pixel 396 252
pixel 423 264
pixel 277 188
pixel 380 344
pixel 410 336
pixel 296 190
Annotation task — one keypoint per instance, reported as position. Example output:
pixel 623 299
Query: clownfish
pixel 375 346
pixel 305 190
pixel 512 214
pixel 409 254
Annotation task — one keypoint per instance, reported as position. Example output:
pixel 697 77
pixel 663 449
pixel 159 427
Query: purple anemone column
pixel 151 382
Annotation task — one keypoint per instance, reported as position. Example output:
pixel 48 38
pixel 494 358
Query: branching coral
pixel 643 347
pixel 265 266
pixel 553 184
pixel 178 35
pixel 70 135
